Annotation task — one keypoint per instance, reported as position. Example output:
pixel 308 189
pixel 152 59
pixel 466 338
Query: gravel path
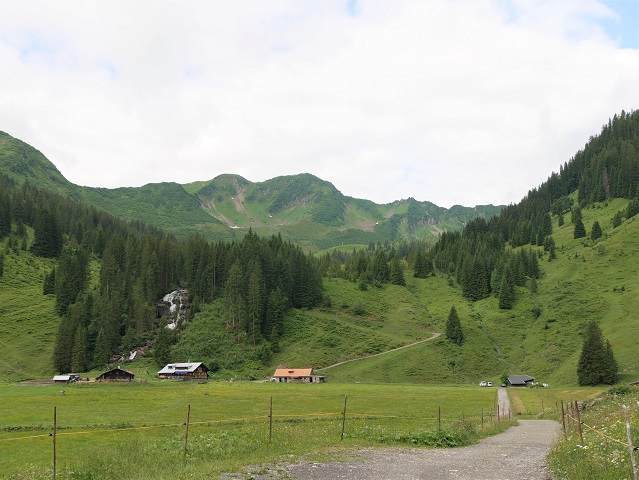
pixel 517 454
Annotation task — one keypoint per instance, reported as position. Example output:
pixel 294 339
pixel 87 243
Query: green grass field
pixel 229 424
pixel 102 428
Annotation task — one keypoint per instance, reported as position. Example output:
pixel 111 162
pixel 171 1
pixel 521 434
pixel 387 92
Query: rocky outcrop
pixel 173 309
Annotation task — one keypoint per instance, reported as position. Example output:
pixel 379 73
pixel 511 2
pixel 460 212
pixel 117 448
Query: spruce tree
pixel 580 230
pixel 617 220
pixel 597 364
pixel 633 208
pixel 397 272
pixel 79 356
pixel 506 292
pixel 453 328
pixel 101 353
pixel 49 283
pixel 596 232
pixel 381 272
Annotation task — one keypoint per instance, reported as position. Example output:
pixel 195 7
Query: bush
pixel 358 309
pixel 621 390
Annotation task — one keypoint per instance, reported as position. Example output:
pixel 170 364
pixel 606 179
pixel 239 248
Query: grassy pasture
pixel 546 402
pixel 102 427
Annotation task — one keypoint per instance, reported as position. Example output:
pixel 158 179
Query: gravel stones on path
pixel 517 454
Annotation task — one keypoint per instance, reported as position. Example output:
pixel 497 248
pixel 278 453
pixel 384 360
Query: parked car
pixel 489 384
pixel 482 384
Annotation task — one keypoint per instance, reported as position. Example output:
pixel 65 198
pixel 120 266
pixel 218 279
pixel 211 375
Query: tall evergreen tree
pixel 397 272
pixel 596 364
pixel 5 215
pixel 102 352
pixel 596 232
pixel 506 291
pixel 79 355
pixel 234 297
pixel 49 283
pixel 63 346
pixel 48 238
pixel 381 272
pixel 276 307
pixel 255 301
pixel 454 330
pixel 580 230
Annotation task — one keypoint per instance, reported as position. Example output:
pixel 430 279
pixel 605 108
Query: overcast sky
pixel 455 102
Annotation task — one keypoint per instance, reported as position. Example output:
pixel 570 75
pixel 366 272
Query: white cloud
pixel 456 102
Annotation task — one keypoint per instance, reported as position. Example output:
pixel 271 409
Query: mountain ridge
pixel 302 208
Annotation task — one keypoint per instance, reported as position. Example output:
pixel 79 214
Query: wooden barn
pixel 519 380
pixel 185 371
pixel 116 375
pixel 296 375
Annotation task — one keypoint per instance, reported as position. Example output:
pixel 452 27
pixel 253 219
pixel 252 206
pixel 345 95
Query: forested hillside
pixel 261 301
pixel 110 274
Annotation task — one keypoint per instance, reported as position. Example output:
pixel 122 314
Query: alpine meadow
pixel 401 308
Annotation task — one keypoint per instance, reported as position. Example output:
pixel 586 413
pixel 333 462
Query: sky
pixel 467 102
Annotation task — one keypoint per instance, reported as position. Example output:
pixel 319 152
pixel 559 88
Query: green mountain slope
pixel 541 336
pixel 302 208
pixel 21 162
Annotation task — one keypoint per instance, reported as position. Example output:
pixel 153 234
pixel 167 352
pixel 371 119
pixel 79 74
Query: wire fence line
pixel 486 417
pixel 573 416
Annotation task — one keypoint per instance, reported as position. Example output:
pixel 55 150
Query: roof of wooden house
pixel 293 372
pixel 117 370
pixel 519 379
pixel 182 368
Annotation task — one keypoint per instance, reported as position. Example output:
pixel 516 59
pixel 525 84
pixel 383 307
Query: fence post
pixel 270 421
pixel 343 419
pixel 497 413
pixel 563 420
pixel 581 435
pixel 439 417
pixel 55 431
pixel 632 449
pixel 186 432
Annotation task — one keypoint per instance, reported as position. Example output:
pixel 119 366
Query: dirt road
pixel 517 454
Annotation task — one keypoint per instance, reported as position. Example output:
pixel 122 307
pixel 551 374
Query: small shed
pixel 296 375
pixel 116 375
pixel 519 380
pixel 185 371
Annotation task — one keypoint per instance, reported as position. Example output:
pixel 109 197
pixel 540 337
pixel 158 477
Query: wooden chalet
pixel 519 380
pixel 185 371
pixel 116 375
pixel 296 375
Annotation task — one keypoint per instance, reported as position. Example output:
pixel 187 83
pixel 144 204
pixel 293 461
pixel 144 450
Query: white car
pixel 482 384
pixel 489 384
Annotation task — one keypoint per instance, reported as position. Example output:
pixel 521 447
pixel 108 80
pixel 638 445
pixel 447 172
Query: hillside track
pixel 517 454
pixel 433 337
